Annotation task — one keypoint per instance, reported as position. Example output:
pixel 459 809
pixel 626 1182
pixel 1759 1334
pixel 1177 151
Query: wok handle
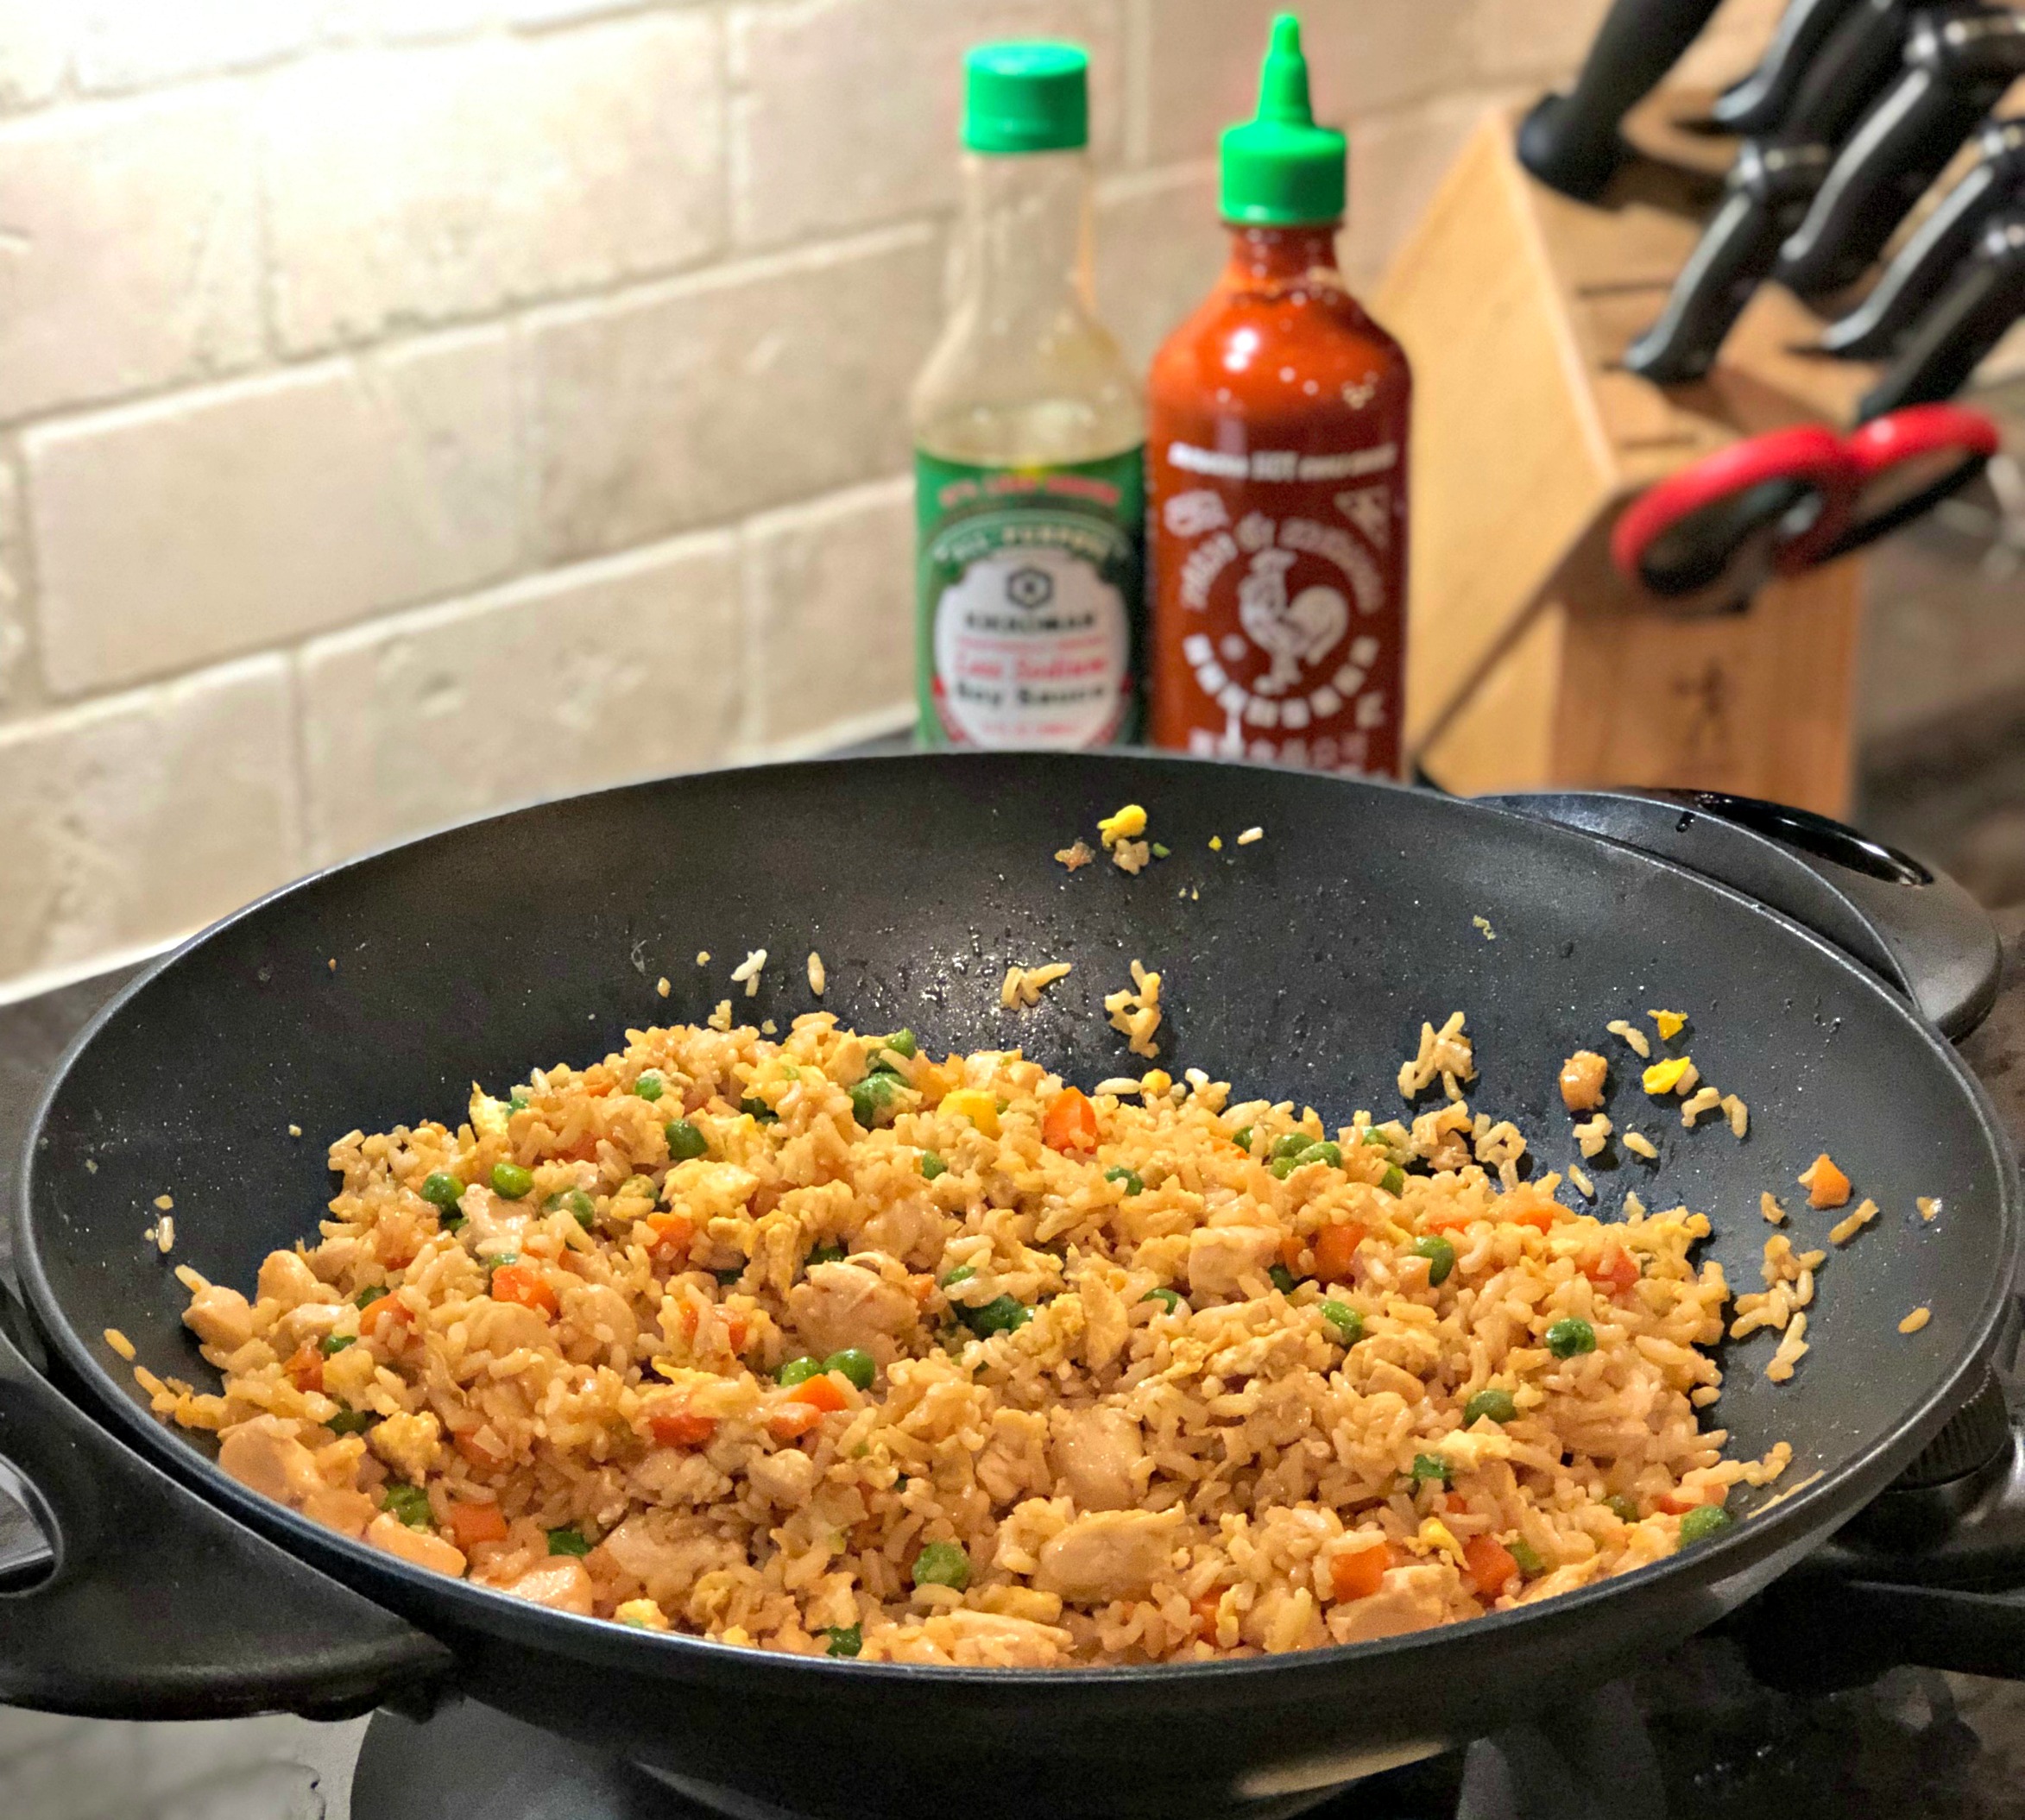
pixel 147 1603
pixel 1915 927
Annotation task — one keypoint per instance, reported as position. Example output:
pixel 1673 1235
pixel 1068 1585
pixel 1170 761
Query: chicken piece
pixel 311 1321
pixel 1093 1452
pixel 1581 1080
pixel 422 1546
pixel 560 1582
pixel 784 1479
pixel 220 1317
pixel 1409 1598
pixel 1013 1460
pixel 604 1320
pixel 666 1562
pixel 1219 1256
pixel 911 1231
pixel 336 1507
pixel 991 1640
pixel 264 1455
pixel 844 1304
pixel 1110 1554
pixel 286 1279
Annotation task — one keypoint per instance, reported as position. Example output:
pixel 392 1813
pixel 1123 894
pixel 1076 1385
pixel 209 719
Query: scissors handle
pixel 1956 442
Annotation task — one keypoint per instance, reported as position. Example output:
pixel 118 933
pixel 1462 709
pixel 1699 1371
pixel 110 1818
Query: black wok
pixel 1299 967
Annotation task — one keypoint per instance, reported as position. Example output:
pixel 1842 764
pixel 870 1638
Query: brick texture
pixel 135 819
pixel 429 185
pixel 170 535
pixel 831 606
pixel 120 45
pixel 128 255
pixel 1159 248
pixel 707 400
pixel 622 668
pixel 35 47
pixel 15 682
pixel 820 140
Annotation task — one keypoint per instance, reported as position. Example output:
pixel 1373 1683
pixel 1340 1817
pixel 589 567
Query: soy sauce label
pixel 1029 602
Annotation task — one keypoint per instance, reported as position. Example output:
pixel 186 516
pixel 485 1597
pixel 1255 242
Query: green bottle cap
pixel 1281 169
pixel 1027 96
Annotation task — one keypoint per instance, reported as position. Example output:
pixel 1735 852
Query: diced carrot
pixel 1674 1505
pixel 819 1392
pixel 1491 1563
pixel 673 1231
pixel 1358 1574
pixel 471 1523
pixel 690 1320
pixel 1825 1185
pixel 374 1322
pixel 1291 1251
pixel 1070 1122
pixel 1540 1218
pixel 468 1444
pixel 305 1367
pixel 525 1285
pixel 678 1428
pixel 1448 1219
pixel 735 1331
pixel 1613 1268
pixel 1335 1251
pixel 789 1421
pixel 1205 1609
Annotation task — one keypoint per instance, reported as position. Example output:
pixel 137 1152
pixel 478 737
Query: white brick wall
pixel 411 406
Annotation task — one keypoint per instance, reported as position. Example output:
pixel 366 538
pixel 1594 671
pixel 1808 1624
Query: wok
pixel 1298 967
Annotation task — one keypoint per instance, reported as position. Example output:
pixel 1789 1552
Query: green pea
pixel 1281 1279
pixel 932 1166
pixel 568 1540
pixel 1496 1404
pixel 1129 1177
pixel 857 1365
pixel 1326 1151
pixel 1393 1181
pixel 1243 1139
pixel 452 1222
pixel 846 1640
pixel 499 1261
pixel 1569 1336
pixel 758 1110
pixel 1372 1135
pixel 1348 1322
pixel 1621 1507
pixel 800 1371
pixel 961 1273
pixel 366 1298
pixel 1002 1314
pixel 901 1043
pixel 510 1182
pixel 442 1188
pixel 942 1563
pixel 351 1421
pixel 1429 1468
pixel 517 1101
pixel 1283 1167
pixel 872 1097
pixel 825 1254
pixel 1526 1555
pixel 333 1343
pixel 1703 1522
pixel 685 1142
pixel 1291 1145
pixel 1168 1299
pixel 574 1202
pixel 648 1087
pixel 410 1505
pixel 1440 1255
pixel 730 1277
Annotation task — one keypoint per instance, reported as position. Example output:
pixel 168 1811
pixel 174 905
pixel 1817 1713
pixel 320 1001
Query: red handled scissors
pixel 1708 536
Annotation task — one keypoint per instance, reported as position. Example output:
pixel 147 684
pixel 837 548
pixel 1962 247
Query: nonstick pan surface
pixel 1299 967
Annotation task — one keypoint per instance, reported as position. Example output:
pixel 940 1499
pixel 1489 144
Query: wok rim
pixel 1853 1482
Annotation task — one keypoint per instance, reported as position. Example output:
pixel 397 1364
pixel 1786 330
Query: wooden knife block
pixel 1530 661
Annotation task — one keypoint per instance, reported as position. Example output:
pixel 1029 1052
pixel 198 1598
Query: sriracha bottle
pixel 1277 472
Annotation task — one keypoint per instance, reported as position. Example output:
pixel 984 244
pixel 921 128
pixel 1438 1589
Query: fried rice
pixel 824 1346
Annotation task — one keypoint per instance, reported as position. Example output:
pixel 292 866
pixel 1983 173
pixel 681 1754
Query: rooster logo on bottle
pixel 1296 634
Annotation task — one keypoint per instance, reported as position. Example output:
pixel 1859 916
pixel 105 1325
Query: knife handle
pixel 1854 66
pixel 1570 142
pixel 1958 69
pixel 1756 104
pixel 1969 318
pixel 1768 189
pixel 1935 250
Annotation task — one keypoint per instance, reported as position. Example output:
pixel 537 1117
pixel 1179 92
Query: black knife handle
pixel 1855 64
pixel 1570 142
pixel 1957 69
pixel 1768 189
pixel 1758 105
pixel 1935 250
pixel 1968 319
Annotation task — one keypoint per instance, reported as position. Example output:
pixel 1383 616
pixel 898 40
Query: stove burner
pixel 1695 1738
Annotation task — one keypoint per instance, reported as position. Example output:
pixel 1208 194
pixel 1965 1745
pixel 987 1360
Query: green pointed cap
pixel 1027 96
pixel 1280 169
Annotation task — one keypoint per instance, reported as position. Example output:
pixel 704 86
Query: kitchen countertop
pixel 1916 1743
